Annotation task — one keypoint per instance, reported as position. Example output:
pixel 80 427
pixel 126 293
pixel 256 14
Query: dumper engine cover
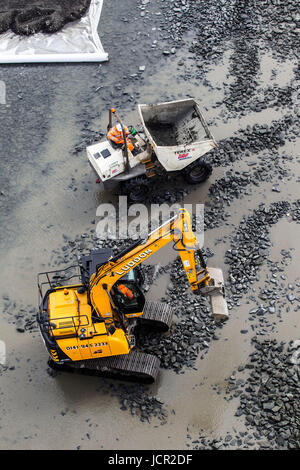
pixel 27 17
pixel 106 161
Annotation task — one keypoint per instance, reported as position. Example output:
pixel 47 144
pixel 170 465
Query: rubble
pixel 270 403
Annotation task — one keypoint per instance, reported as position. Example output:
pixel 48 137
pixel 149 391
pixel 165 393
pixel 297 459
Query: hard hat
pixel 119 127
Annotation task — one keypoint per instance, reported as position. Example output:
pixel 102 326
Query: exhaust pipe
pixel 111 112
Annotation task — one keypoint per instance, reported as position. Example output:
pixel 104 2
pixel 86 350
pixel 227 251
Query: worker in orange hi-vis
pixel 125 291
pixel 115 134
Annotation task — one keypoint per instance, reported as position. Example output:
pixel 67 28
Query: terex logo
pixel 134 261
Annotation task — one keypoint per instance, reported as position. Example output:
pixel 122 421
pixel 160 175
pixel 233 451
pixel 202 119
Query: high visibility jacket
pixel 125 291
pixel 117 137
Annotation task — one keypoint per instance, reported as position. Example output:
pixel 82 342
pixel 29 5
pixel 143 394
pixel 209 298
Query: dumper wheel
pixel 197 172
pixel 136 189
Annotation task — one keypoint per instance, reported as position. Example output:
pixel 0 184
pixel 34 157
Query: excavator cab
pixel 127 293
pixel 128 297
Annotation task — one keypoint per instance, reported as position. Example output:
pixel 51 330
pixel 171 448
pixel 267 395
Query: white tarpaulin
pixel 75 42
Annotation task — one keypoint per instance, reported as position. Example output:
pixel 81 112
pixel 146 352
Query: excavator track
pixel 134 367
pixel 157 315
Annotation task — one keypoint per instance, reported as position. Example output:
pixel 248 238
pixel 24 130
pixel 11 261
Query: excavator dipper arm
pixel 179 230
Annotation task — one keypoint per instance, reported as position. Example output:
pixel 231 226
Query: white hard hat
pixel 119 127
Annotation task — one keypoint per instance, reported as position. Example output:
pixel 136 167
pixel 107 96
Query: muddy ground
pixel 242 69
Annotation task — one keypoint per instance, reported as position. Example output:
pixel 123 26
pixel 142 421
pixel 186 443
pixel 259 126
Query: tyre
pixel 197 172
pixel 136 189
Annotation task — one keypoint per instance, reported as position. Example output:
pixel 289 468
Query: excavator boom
pixel 179 231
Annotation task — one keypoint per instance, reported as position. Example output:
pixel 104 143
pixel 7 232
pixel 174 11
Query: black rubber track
pixel 157 316
pixel 27 17
pixel 133 367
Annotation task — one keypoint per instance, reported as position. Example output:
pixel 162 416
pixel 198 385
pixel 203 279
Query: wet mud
pixel 229 375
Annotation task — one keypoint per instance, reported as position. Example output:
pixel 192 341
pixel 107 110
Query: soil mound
pixel 27 17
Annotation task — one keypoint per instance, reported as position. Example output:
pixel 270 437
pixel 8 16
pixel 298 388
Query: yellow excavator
pixel 88 313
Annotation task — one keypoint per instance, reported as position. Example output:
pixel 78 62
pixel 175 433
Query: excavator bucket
pixel 216 293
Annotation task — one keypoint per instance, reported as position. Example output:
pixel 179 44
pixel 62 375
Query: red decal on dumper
pixel 184 156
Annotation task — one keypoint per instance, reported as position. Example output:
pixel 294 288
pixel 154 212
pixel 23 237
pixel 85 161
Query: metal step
pixel 149 165
pixel 147 160
pixel 150 173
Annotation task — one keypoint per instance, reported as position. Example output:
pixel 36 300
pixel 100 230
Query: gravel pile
pixel 173 17
pixel 270 402
pixel 250 29
pixel 22 316
pixel 244 67
pixel 274 24
pixel 215 22
pixel 253 140
pixel 250 248
pixel 237 184
pixel 192 330
pixel 138 401
pixel 295 211
pixel 271 97
pixel 275 299
pixel 268 398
